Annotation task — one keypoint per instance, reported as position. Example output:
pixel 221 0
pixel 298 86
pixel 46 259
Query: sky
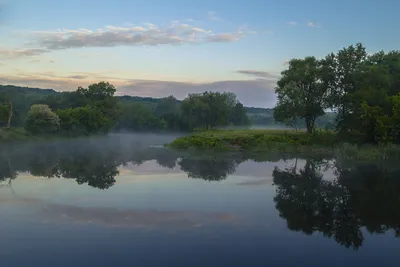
pixel 161 47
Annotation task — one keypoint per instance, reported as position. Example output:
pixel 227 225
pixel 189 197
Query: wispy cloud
pixel 258 74
pixel 291 23
pixel 313 25
pixel 78 77
pixel 149 34
pixel 15 53
pixel 41 61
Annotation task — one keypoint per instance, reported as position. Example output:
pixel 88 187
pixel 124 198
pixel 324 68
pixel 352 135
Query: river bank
pixel 259 141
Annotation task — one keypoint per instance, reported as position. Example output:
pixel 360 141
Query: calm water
pixel 125 201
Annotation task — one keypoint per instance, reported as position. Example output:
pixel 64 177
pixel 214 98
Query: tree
pixel 208 110
pixel 41 119
pixel 83 120
pixel 6 109
pixel 340 75
pixel 300 92
pixel 138 117
pixel 168 110
pixel 238 115
pixel 101 96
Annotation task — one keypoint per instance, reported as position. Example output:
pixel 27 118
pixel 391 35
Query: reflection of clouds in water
pixel 147 167
pixel 113 217
pixel 133 218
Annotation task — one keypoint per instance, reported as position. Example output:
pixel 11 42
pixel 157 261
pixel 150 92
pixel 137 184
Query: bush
pixel 41 119
pixel 83 120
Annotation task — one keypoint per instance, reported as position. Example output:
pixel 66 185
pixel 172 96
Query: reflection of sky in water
pixel 154 216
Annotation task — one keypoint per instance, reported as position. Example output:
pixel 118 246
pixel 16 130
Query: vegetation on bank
pixel 255 141
pixel 363 89
pixel 96 110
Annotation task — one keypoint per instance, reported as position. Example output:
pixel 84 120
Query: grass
pixel 254 140
pixel 19 134
pixel 15 134
pixel 284 141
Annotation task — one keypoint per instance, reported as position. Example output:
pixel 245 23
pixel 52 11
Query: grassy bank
pixel 15 135
pixel 257 141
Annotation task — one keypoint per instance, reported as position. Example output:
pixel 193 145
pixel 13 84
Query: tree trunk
pixel 10 114
pixel 310 124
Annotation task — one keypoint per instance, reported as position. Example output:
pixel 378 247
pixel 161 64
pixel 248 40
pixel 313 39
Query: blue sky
pixel 161 47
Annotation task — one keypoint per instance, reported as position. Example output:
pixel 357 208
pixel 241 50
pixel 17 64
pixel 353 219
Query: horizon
pixel 161 48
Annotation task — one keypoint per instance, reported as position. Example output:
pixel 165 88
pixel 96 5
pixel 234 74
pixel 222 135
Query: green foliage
pixel 14 134
pixel 83 120
pixel 41 119
pixel 362 89
pixel 300 93
pixel 254 140
pixel 138 117
pixel 210 110
pixel 168 111
pixel 80 111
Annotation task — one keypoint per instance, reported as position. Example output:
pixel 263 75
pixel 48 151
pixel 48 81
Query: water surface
pixel 123 200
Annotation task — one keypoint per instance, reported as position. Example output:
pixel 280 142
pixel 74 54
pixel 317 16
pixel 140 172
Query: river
pixel 124 200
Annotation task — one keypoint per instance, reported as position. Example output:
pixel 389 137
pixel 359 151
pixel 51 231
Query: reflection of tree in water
pixel 7 171
pixel 86 163
pixel 364 196
pixel 209 169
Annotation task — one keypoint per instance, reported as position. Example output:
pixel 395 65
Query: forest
pixel 96 109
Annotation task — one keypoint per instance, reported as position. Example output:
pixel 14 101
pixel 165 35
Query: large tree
pixel 208 110
pixel 300 92
pixel 341 73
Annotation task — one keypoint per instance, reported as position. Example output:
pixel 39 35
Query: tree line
pixel 362 89
pixel 96 109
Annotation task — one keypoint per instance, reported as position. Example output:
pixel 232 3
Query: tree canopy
pixel 362 89
pixel 96 109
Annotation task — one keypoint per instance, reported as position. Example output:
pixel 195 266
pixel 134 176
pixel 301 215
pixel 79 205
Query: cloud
pixel 286 62
pixel 258 74
pixel 291 23
pixel 78 77
pixel 16 53
pixel 134 218
pixel 313 25
pixel 213 16
pixel 41 61
pixel 256 92
pixel 133 35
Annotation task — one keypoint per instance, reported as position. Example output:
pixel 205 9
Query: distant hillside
pixel 259 116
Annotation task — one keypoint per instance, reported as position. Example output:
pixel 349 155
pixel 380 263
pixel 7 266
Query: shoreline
pixel 268 141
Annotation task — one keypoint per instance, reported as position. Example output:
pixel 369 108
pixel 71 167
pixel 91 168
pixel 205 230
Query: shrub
pixel 41 119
